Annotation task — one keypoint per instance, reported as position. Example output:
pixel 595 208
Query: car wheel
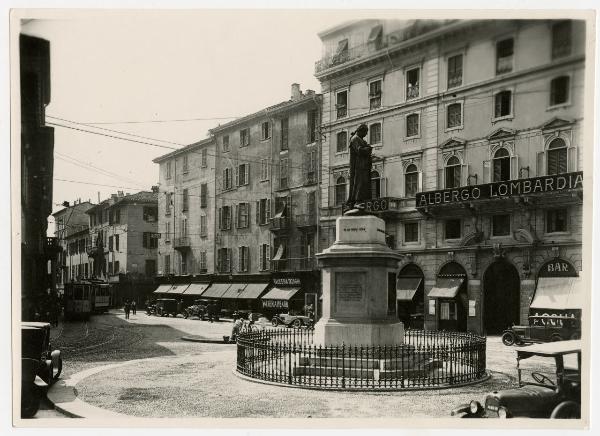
pixel 566 410
pixel 556 337
pixel 508 338
pixel 297 323
pixel 275 322
pixel 185 315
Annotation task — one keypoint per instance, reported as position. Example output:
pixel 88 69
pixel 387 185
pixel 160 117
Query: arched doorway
pixel 501 297
pixel 410 296
pixel 450 295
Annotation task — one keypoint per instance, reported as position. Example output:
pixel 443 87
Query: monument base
pixel 331 332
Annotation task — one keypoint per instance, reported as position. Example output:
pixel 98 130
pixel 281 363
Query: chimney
pixel 120 193
pixel 155 189
pixel 114 197
pixel 296 93
pixel 98 197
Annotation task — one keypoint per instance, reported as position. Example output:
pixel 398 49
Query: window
pixel 183 230
pixel 225 259
pixel 150 214
pixel 150 267
pixel 203 227
pixel 412 125
pixel 375 94
pixel 311 166
pixel 244 137
pixel 167 231
pixel 265 130
pixel 264 256
pixel 183 259
pixel 185 164
pixel 375 184
pixel 202 262
pixel 168 171
pixel 185 202
pixel 452 229
pixel 557 157
pixel 453 173
pixel 556 220
pixel 376 37
pixel 263 211
pixel 225 143
pixel 502 104
pixel 264 170
pixel 312 126
pixel 203 195
pixel 411 181
pixel 311 203
pixel 501 165
pixel 340 191
pixel 454 115
pixel 559 90
pixel 243 254
pixel 342 142
pixel 243 212
pixel 504 56
pixel 283 173
pixel 242 175
pixel 168 202
pixel 501 225
pixel 412 83
pixel 167 264
pixel 110 268
pixel 110 243
pixel 375 133
pixel 227 179
pixel 86 270
pixel 284 133
pixel 204 158
pixel 117 215
pixel 455 70
pixel 561 39
pixel 447 310
pixel 341 54
pixel 411 232
pixel 225 218
pixel 341 104
pixel 116 242
pixel 149 240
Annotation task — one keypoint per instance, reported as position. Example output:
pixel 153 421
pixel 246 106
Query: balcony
pixel 181 243
pixel 280 224
pixel 292 265
pixel 306 220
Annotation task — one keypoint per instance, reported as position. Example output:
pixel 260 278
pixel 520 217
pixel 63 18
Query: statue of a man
pixel 360 169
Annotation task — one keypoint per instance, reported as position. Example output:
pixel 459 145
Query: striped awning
pixel 216 290
pixel 162 289
pixel 234 291
pixel 197 289
pixel 281 293
pixel 253 290
pixel 178 289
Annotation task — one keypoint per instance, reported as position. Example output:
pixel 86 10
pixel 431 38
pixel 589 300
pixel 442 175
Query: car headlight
pixel 474 406
pixel 502 412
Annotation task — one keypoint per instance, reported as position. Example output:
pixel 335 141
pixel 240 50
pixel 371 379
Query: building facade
pixel 477 131
pixel 124 243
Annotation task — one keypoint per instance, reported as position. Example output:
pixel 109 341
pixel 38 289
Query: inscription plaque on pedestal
pixel 350 292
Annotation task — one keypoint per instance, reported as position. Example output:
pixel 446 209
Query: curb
pixel 200 339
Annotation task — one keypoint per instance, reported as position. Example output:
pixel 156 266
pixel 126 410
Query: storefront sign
pixel 558 268
pixel 274 304
pixel 509 188
pixel 287 281
pixel 377 205
pixel 554 318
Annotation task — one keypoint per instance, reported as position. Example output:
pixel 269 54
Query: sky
pixel 120 68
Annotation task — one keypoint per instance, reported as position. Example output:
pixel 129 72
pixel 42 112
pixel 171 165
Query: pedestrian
pixel 133 306
pixel 127 309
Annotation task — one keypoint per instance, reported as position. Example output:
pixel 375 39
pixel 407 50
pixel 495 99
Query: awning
pixel 196 288
pixel 234 291
pixel 178 289
pixel 279 253
pixel 406 287
pixel 216 290
pixel 281 293
pixel 162 289
pixel 446 287
pixel 253 290
pixel 558 293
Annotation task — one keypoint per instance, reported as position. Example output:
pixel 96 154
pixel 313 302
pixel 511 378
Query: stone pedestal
pixel 358 271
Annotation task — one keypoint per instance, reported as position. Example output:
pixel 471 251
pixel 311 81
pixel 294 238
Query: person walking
pixel 133 306
pixel 127 309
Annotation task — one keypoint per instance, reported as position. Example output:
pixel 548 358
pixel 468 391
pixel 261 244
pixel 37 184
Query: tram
pixel 101 293
pixel 82 298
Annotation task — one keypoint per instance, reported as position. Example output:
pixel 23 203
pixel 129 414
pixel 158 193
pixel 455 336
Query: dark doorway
pixel 501 297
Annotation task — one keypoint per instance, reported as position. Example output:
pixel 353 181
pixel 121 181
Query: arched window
pixel 411 181
pixel 557 157
pixel 375 184
pixel 453 172
pixel 501 165
pixel 340 191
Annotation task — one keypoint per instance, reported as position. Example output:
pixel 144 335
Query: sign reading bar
pixel 509 188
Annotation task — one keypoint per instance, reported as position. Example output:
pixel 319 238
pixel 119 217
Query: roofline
pixel 70 207
pixel 341 26
pixel 108 205
pixel 182 150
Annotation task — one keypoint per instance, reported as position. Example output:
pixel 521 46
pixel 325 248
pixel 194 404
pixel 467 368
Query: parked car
pixel 199 309
pixel 539 394
pixel 291 320
pixel 41 366
pixel 166 307
pixel 543 328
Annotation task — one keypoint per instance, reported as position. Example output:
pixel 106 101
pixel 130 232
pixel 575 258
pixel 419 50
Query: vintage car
pixel 40 365
pixel 199 309
pixel 291 320
pixel 166 307
pixel 539 394
pixel 543 328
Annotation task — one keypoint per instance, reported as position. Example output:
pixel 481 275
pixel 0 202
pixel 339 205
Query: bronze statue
pixel 360 169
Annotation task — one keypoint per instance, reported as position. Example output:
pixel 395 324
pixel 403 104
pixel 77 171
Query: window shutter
pixel 486 171
pixel 268 212
pixel 248 214
pixel 257 212
pixel 228 259
pixel 237 176
pixel 268 257
pixel 220 218
pixel 420 182
pixel 247 258
pixel 464 174
pixel 514 168
pixel 440 179
pixel 540 164
pixel 572 158
pixel 236 217
pixel 247 173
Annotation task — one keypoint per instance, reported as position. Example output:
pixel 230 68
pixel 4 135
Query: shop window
pixel 412 125
pixel 452 229
pixel 559 90
pixel 453 172
pixel 284 133
pixel 342 142
pixel 561 39
pixel 504 56
pixel 503 104
pixel 455 71
pixel 341 104
pixel 448 310
pixel 411 181
pixel 501 225
pixel 454 116
pixel 501 165
pixel 375 133
pixel 244 137
pixel 557 157
pixel 375 94
pixel 412 83
pixel 556 221
pixel 340 191
pixel 225 143
pixel 411 232
pixel 375 184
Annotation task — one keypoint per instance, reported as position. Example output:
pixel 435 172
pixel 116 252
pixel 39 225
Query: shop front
pixel 447 299
pixel 294 294
pixel 409 296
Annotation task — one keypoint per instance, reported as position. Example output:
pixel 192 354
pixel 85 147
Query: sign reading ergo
pixel 509 188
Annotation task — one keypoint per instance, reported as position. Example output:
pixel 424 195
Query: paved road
pixel 187 379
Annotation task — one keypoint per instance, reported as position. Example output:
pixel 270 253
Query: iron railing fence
pixel 427 359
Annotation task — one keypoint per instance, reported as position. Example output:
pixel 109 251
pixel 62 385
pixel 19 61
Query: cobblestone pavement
pixel 190 379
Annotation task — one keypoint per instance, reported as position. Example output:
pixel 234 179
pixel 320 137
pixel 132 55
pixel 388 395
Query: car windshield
pixel 538 369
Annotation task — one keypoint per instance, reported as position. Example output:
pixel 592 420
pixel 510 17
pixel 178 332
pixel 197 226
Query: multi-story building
pixel 186 210
pixel 72 230
pixel 124 243
pixel 477 134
